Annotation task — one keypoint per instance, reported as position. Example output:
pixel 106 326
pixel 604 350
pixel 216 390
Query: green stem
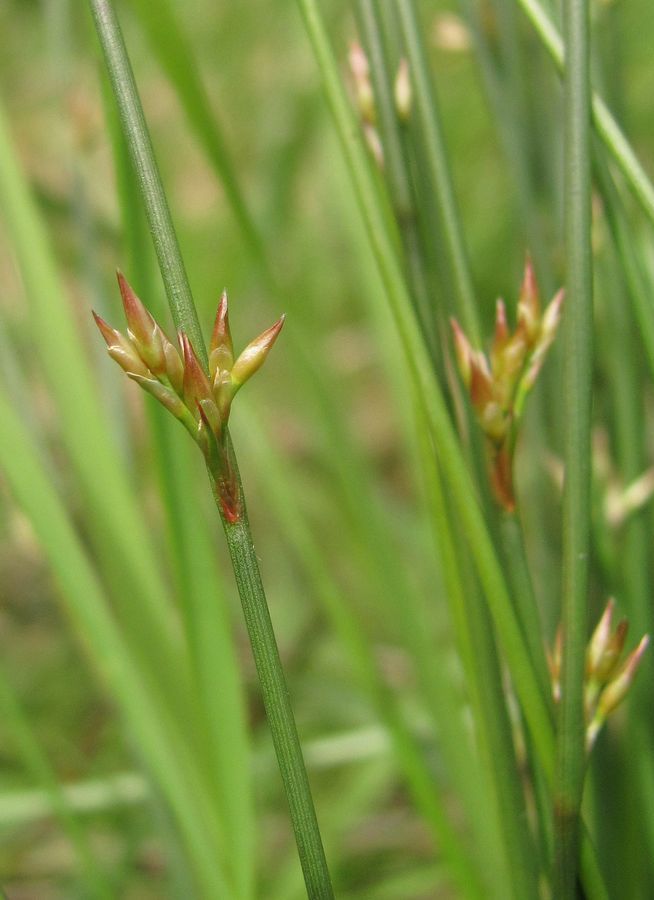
pixel 278 707
pixel 606 127
pixel 173 271
pixel 396 170
pixel 517 567
pixel 484 682
pixel 426 109
pixel 239 538
pixel 577 398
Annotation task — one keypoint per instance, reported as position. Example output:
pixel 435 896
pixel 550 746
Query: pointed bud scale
pixel 529 303
pixel 615 692
pixel 221 350
pixel 196 384
pixel 174 370
pixel 141 327
pixel 463 352
pixel 600 638
pixel 552 314
pixel 554 661
pixel 254 355
pixel 402 91
pixel 223 392
pixel 481 384
pixel 502 333
pixel 210 416
pixel 121 350
pixel 166 397
pixel 609 660
pixel 208 438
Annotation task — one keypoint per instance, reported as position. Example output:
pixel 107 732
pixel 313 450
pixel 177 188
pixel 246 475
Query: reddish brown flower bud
pixel 481 383
pixel 196 384
pixel 502 334
pixel 529 303
pixel 221 350
pixel 142 328
pixel 254 355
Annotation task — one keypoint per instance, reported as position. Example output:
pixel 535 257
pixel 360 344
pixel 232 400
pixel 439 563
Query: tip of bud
pixel 221 350
pixel 529 302
pixel 108 333
pixel 254 355
pixel 463 352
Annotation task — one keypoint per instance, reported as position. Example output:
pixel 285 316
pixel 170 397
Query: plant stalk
pixel 577 394
pixel 239 538
pixel 608 130
pixel 439 167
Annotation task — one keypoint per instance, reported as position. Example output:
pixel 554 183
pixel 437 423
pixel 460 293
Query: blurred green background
pixel 347 513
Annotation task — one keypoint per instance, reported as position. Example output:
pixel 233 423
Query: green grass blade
pixel 121 539
pixel 38 765
pixel 158 735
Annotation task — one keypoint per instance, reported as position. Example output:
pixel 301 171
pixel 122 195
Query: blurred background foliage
pixel 332 412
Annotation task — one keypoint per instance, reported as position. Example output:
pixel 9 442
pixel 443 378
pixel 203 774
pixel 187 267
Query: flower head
pixel 498 384
pixel 200 400
pixel 608 677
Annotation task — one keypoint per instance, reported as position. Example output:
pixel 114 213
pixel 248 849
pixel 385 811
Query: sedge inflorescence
pixel 201 400
pixel 608 676
pixel 498 384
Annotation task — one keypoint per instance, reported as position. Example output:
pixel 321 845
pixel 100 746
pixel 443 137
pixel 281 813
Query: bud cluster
pixel 364 98
pixel 608 677
pixel 498 385
pixel 201 401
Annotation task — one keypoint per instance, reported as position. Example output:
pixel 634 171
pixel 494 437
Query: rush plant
pixel 443 489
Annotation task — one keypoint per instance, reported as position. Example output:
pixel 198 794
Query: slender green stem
pixel 239 539
pixel 484 681
pixel 343 618
pixel 278 707
pixel 396 170
pixel 517 567
pixel 426 109
pixel 606 127
pixel 577 398
pixel 169 42
pixel 173 271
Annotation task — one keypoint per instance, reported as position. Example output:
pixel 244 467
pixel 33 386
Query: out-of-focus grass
pixel 331 407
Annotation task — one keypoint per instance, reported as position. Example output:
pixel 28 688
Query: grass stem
pixel 577 394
